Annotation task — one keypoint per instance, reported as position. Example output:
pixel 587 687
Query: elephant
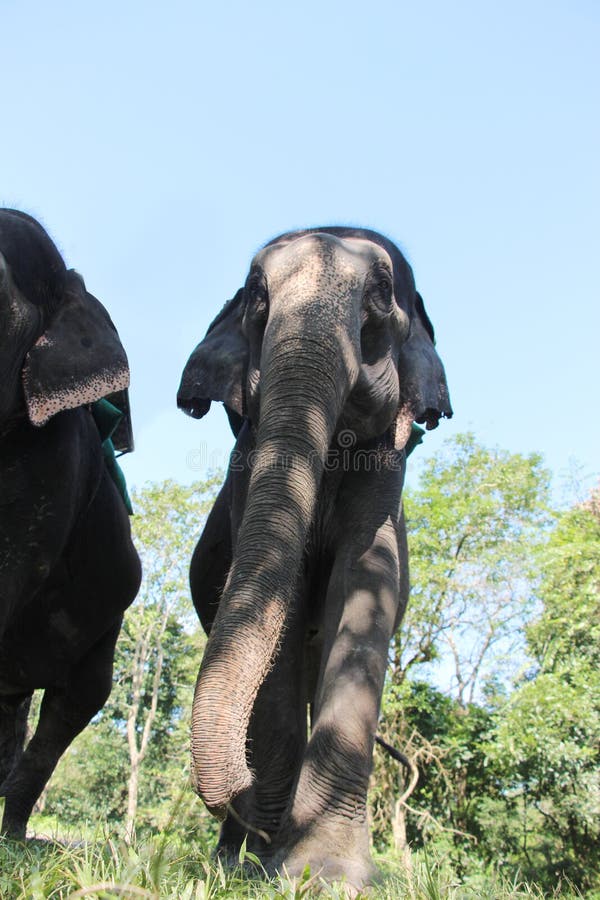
pixel 324 361
pixel 68 567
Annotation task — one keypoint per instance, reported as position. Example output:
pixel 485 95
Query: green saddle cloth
pixel 416 438
pixel 107 417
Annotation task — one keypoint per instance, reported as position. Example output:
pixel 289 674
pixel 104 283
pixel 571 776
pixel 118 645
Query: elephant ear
pixel 77 360
pixel 217 368
pixel 423 389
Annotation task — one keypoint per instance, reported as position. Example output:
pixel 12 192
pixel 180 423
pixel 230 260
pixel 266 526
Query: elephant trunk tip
pixel 218 797
pixel 196 407
pixel 218 776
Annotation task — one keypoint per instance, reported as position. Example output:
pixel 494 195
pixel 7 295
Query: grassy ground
pixel 173 867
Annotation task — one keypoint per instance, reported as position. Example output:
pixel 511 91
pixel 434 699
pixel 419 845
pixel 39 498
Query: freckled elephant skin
pixel 323 360
pixel 68 568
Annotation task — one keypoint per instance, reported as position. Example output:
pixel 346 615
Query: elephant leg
pixel 13 731
pixel 64 713
pixel 275 748
pixel 327 826
pixel 211 560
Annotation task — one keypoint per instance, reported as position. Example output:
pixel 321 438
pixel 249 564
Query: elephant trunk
pixel 299 413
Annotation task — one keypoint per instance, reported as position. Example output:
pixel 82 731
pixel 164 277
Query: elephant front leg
pixel 327 826
pixel 63 714
pixel 275 748
pixel 13 730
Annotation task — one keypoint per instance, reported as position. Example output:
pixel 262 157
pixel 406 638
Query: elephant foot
pixel 13 830
pixel 355 875
pixel 228 854
pixel 15 816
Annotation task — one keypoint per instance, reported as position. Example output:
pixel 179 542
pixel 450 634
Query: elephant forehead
pixel 320 262
pixel 304 274
pixel 368 251
pixel 358 252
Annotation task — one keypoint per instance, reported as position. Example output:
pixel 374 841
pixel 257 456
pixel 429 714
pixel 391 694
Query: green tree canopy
pixel 474 522
pixel 547 738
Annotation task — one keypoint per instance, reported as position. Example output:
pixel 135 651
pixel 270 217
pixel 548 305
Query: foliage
pixel 567 633
pixel 175 865
pixel 446 742
pixel 547 738
pixel 474 521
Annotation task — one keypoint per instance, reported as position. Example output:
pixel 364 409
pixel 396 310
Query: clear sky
pixel 162 143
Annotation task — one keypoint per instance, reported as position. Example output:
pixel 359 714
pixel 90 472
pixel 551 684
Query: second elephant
pixel 68 567
pixel 323 360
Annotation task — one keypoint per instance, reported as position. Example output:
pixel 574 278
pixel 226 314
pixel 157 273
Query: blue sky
pixel 162 144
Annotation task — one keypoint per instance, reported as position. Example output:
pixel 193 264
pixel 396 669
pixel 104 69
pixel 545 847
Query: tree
pixel 446 743
pixel 474 522
pixel 547 737
pixel 567 633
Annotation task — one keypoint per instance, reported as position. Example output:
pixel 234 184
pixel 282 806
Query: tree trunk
pixel 137 752
pixel 132 799
pixel 401 846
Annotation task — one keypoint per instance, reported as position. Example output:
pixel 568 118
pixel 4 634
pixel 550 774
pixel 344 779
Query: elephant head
pixel 328 334
pixel 58 346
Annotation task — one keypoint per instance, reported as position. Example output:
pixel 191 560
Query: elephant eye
pixel 255 290
pixel 258 298
pixel 380 292
pixel 256 301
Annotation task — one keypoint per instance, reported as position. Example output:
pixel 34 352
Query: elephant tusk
pixel 258 831
pixel 395 754
pixel 406 762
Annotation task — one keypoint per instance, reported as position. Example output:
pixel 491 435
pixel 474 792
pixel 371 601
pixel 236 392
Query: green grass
pixel 176 864
pixel 174 867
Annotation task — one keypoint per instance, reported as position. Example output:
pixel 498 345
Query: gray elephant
pixel 68 568
pixel 324 360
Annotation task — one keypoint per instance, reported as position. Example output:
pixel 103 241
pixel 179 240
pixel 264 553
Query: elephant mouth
pixel 196 407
